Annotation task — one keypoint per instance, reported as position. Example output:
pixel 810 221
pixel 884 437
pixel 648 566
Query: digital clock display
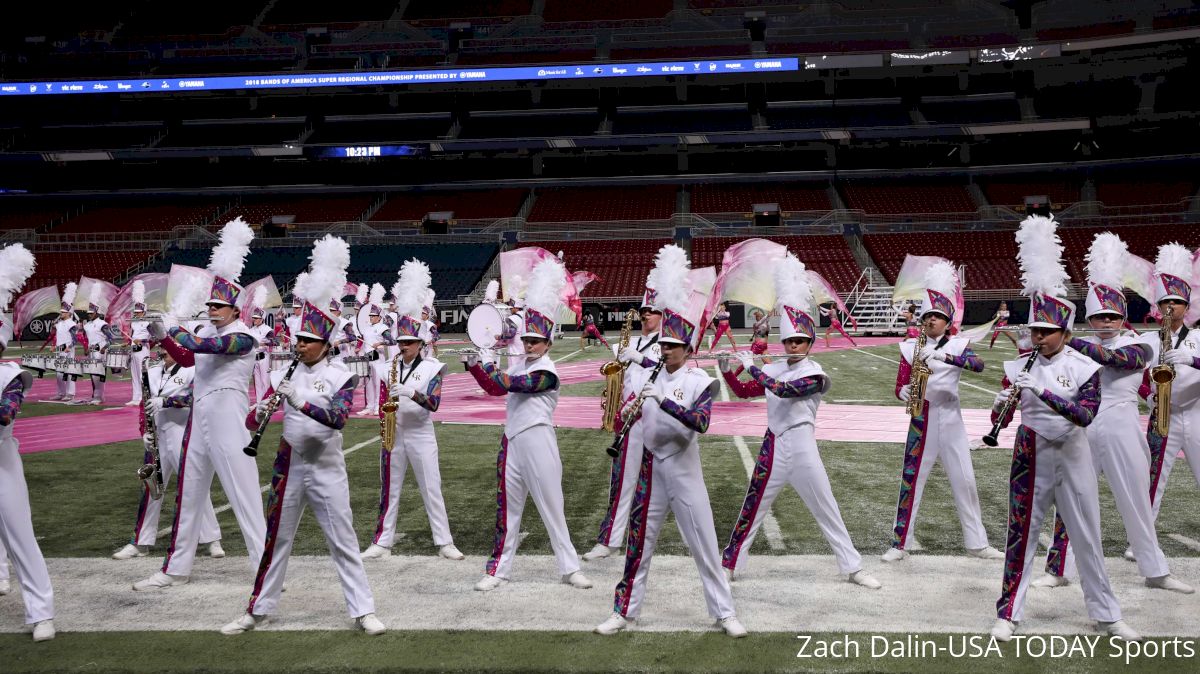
pixel 365 151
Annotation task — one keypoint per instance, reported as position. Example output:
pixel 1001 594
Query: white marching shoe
pixel 376 552
pixel 733 627
pixel 861 577
pixel 615 623
pixel 43 631
pixel 370 624
pixel 893 555
pixel 987 552
pixel 5 588
pixel 1003 630
pixel 244 623
pixel 1167 582
pixel 577 580
pixel 1050 580
pixel 1119 630
pixel 160 581
pixel 1129 554
pixel 215 550
pixel 450 552
pixel 488 583
pixel 600 551
pixel 129 552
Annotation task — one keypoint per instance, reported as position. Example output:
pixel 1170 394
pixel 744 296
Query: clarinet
pixel 272 404
pixel 993 438
pixel 614 449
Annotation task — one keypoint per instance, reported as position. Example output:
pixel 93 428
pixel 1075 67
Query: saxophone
pixel 1162 375
pixel 387 424
pixel 151 473
pixel 614 376
pixel 919 380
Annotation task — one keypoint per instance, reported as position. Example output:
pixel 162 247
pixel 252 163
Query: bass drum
pixel 487 328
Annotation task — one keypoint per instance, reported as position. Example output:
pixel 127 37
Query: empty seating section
pixel 159 18
pixel 595 204
pixel 680 120
pixel 740 198
pixel 258 210
pixel 1011 192
pixel 440 11
pixel 87 137
pixel 518 124
pixel 989 257
pixel 394 130
pixel 614 10
pixel 305 12
pixel 61 268
pixel 30 215
pixel 968 111
pixel 411 207
pixel 142 217
pixel 896 198
pixel 491 56
pixel 1143 241
pixel 826 254
pixel 1086 31
pixel 621 264
pixel 1165 190
pixel 234 133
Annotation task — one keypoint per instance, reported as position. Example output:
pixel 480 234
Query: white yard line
pixel 166 530
pixel 568 355
pixel 961 383
pixel 1187 542
pixel 770 525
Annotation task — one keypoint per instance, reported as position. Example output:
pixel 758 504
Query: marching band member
pixel 98 334
pixel 528 463
pixel 721 327
pixel 170 404
pixel 265 337
pixel 375 343
pixel 139 340
pixel 590 330
pixel 1173 291
pixel 835 323
pixel 1002 315
pixel 789 454
pixel 223 355
pixel 1059 391
pixel 642 353
pixel 676 411
pixel 67 334
pixel 937 432
pixel 292 323
pixel 17 539
pixel 1119 450
pixel 344 338
pixel 414 387
pixel 429 327
pixel 309 466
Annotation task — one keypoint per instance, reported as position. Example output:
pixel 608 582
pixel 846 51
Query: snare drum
pixel 359 365
pixel 117 359
pixel 69 366
pixel 281 359
pixel 33 362
pixel 92 366
pixel 488 328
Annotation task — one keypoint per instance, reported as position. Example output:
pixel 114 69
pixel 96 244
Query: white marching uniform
pixel 624 474
pixel 138 352
pixel 790 456
pixel 97 338
pixel 1184 430
pixel 174 385
pixel 293 326
pixel 416 444
pixel 64 345
pixel 213 444
pixel 528 464
pixel 375 335
pixel 516 349
pixel 1052 465
pixel 345 348
pixel 17 539
pixel 310 469
pixel 671 473
pixel 944 439
pixel 262 361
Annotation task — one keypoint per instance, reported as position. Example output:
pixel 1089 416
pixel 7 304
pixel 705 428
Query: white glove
pixel 1002 397
pixel 260 410
pixel 401 391
pixel 745 358
pixel 929 354
pixel 169 321
pixel 154 405
pixel 288 390
pixel 487 356
pixel 471 359
pixel 649 393
pixel 147 439
pixel 631 355
pixel 1024 381
pixel 723 363
pixel 1178 357
pixel 904 394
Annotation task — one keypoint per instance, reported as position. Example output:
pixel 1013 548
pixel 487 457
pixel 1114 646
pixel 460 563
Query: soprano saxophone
pixel 1162 375
pixel 614 376
pixel 387 424
pixel 919 380
pixel 150 473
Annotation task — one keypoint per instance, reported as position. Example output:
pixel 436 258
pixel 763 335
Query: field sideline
pixel 84 502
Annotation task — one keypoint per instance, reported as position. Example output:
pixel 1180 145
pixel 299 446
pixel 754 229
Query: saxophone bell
pixel 614 375
pixel 1162 375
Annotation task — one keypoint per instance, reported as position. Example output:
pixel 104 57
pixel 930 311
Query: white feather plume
pixel 69 291
pixel 229 256
pixel 190 298
pixel 546 286
pixel 376 296
pixel 1106 260
pixel 360 293
pixel 16 266
pixel 301 279
pixel 430 296
pixel 259 298
pixel 792 288
pixel 96 295
pixel 493 291
pixel 517 291
pixel 138 292
pixel 1174 259
pixel 326 272
pixel 409 290
pixel 1039 253
pixel 669 278
pixel 942 277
